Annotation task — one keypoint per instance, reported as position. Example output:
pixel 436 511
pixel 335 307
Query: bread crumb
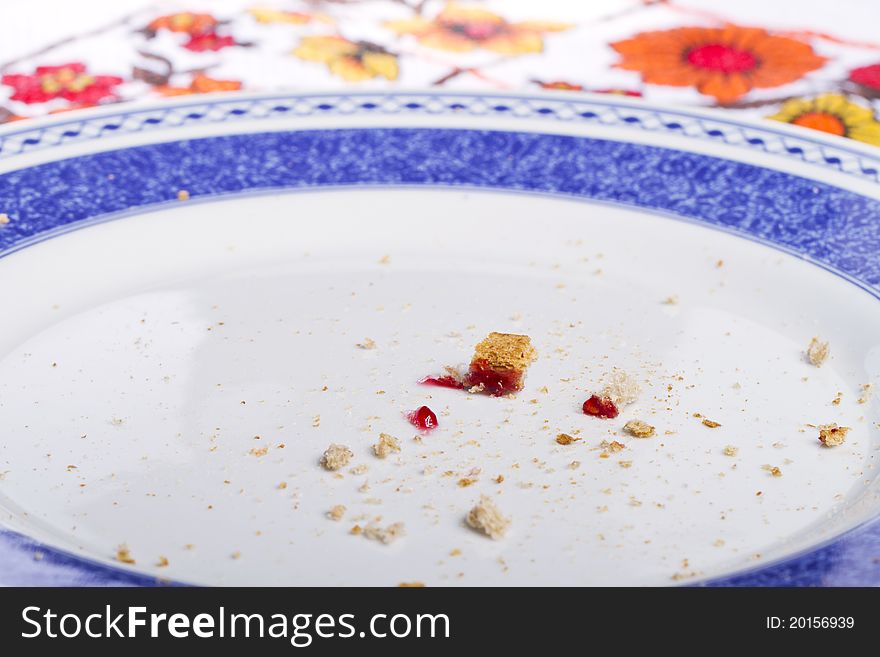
pixel 499 479
pixel 832 435
pixel 282 485
pixel 710 423
pixel 411 585
pixel 464 482
pixel 123 555
pixel 574 465
pixel 487 518
pixel 359 469
pixel 730 450
pixel 625 464
pixel 387 445
pixel 671 300
pixel 368 343
pixel 505 351
pixel 4 219
pixel 613 446
pixel 258 451
pixel 384 535
pixel 182 195
pixel 316 421
pixel 837 399
pixel 565 439
pixel 865 393
pixel 356 530
pixel 336 512
pixel 639 429
pixel 772 469
pixel 336 456
pixel 162 562
pixel 817 352
pixel 385 260
pixel 235 555
pixel 622 388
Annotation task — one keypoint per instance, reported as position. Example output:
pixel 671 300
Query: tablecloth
pixel 810 63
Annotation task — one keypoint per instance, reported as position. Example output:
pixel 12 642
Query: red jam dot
pixel 442 382
pixel 423 418
pixel 600 407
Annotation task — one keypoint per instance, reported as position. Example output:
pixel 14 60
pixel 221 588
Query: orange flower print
pixel 200 84
pixel 460 28
pixel 353 61
pixel 185 22
pixel 833 113
pixel 725 63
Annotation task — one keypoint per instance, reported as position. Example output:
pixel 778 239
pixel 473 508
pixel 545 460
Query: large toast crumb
pixel 387 445
pixel 639 429
pixel 817 352
pixel 336 456
pixel 506 351
pixel 487 518
pixel 832 435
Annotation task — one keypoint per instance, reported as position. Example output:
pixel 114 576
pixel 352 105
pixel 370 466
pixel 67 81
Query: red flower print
pixel 867 77
pixel 70 81
pixel 210 41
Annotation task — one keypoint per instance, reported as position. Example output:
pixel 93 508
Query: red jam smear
pixel 600 407
pixel 423 418
pixel 442 382
pixel 491 381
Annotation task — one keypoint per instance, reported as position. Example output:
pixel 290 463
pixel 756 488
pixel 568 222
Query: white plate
pixel 146 361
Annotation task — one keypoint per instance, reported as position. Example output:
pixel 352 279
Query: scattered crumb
pixel 336 512
pixel 837 399
pixel 499 479
pixel 817 352
pixel 258 451
pixel 368 343
pixel 235 555
pixel 710 423
pixel 487 518
pixel 730 450
pixel 625 464
pixel 4 219
pixel 162 562
pixel 719 264
pixel 359 469
pixel 123 555
pixel 464 482
pixel 574 465
pixel 865 393
pixel 316 421
pixel 772 469
pixel 832 435
pixel 387 444
pixel 336 456
pixel 182 195
pixel 544 390
pixel 455 552
pixel 384 534
pixel 613 446
pixel 639 429
pixel 671 300
pixel 622 389
pixel 565 439
pixel 411 585
pixel 385 260
pixel 356 530
pixel 282 485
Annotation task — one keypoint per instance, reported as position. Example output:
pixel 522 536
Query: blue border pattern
pixel 802 145
pixel 838 228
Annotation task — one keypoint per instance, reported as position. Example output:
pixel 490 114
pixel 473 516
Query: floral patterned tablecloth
pixel 808 63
